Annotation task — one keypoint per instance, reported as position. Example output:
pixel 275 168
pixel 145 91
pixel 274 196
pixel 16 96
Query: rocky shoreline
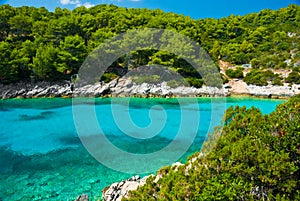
pixel 238 87
pixel 127 88
pixel 119 190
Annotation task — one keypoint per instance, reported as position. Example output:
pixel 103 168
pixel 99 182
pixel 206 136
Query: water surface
pixel 42 157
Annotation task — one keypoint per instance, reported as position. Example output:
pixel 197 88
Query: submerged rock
pixel 83 197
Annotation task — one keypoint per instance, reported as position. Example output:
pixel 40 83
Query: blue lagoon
pixel 42 156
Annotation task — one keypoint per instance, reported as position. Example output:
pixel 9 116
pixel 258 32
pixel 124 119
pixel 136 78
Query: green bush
pixel 254 157
pixel 238 73
pixel 151 79
pixel 293 77
pixel 225 79
pixel 277 81
pixel 261 78
pixel 177 83
pixel 255 63
pixel 195 82
pixel 256 77
pixel 107 77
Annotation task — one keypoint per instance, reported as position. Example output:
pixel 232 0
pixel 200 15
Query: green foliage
pixel 255 63
pixel 72 53
pixel 254 157
pixel 178 83
pixel 261 78
pixel 225 79
pixel 277 81
pixel 20 25
pixel 238 73
pixel 294 77
pixel 150 79
pixel 195 82
pixel 260 38
pixel 109 76
pixel 44 63
pixel 256 77
pixel 7 74
pixel 22 59
pixel 6 12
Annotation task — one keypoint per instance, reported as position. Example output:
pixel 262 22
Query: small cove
pixel 42 157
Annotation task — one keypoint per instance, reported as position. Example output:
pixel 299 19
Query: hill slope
pixel 42 45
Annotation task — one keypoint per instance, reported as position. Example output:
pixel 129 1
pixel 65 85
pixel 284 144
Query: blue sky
pixel 194 8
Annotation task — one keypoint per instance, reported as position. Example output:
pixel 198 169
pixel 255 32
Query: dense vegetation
pixel 42 45
pixel 256 157
pixel 262 77
pixel 294 76
pixel 238 73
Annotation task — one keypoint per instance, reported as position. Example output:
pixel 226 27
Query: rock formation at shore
pixel 238 87
pixel 118 190
pixel 126 87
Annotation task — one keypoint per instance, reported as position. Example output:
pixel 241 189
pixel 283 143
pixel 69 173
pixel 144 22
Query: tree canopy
pixel 265 39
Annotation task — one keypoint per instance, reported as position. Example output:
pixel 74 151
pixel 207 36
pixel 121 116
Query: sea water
pixel 42 156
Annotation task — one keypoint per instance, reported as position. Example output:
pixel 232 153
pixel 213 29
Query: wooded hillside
pixel 42 45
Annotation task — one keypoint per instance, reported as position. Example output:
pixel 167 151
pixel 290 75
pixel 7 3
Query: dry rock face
pixel 126 87
pixel 277 91
pixel 30 90
pixel 239 87
pixel 116 88
pixel 119 190
pixel 123 87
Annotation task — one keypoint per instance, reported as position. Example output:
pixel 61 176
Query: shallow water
pixel 41 152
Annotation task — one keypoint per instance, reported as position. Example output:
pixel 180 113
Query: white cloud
pixel 77 3
pixel 86 4
pixel 67 2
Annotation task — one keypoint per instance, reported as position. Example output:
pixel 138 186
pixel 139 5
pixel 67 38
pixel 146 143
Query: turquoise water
pixel 42 156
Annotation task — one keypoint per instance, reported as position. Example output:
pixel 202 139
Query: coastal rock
pixel 65 90
pixel 119 190
pixel 239 87
pixel 125 87
pixel 278 91
pixel 21 92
